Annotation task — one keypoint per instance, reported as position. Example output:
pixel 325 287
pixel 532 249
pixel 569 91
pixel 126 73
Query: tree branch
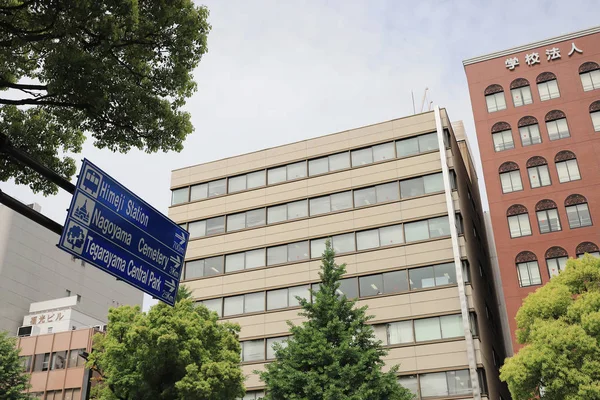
pixel 37 102
pixel 6 84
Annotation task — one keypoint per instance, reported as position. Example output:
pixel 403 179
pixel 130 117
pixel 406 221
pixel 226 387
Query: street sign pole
pixel 111 228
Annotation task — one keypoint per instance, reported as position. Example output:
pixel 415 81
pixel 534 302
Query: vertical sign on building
pixel 111 228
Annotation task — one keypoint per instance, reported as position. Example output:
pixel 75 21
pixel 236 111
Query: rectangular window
pixel 197 229
pixel 434 384
pixel 444 274
pixel 253 350
pixel 371 285
pixel 596 120
pixel 387 192
pixel 277 214
pixel 365 197
pixel 297 209
pixel 459 382
pixel 297 251
pixel 556 265
pixel 539 176
pixel 217 188
pixel 568 171
pixel 318 166
pixel 276 175
pixel 548 220
pixel 320 205
pixel 548 90
pixel 495 102
pixel 343 243
pixel 194 269
pixel 421 278
pixel 213 266
pixel 427 329
pixel 451 326
pixel 256 179
pixel 233 305
pixel 72 394
pixel 558 129
pixel 390 235
pixel 41 362
pixel 215 225
pixel 26 363
pixel 317 247
pixel 341 201
pixel 519 225
pixel 433 183
pixel 439 227
pixel 255 218
pixel 277 255
pixel 298 291
pixel 277 299
pixel 400 332
pixel 75 359
pixel 384 151
pixel 237 183
pixel 216 305
pixel 339 161
pixel 236 222
pixel 199 192
pixel 254 302
pixel 296 170
pixel 503 140
pixel 367 239
pixel 255 258
pixel 410 382
pixel 590 80
pixel 271 341
pixel 179 196
pixel 414 231
pixel 530 134
pixel 254 395
pixel 529 274
pixel 511 181
pixel 579 216
pixel 362 157
pixel 521 96
pixel 348 287
pixel 395 282
pixel 417 144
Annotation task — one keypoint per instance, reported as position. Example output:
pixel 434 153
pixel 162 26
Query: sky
pixel 282 71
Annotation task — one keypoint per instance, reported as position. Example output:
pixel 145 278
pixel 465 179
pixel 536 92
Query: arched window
pixel 520 92
pixel 518 221
pixel 529 129
pixel 587 247
pixel 537 169
pixel 528 269
pixel 547 86
pixel 502 136
pixel 556 260
pixel 589 72
pixel 566 166
pixel 494 98
pixel 510 177
pixel 578 212
pixel 556 123
pixel 547 216
pixel 595 114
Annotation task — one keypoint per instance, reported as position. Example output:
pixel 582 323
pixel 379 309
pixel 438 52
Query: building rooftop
pixel 530 46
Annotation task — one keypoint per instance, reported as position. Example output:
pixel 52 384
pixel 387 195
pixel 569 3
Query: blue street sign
pixel 116 231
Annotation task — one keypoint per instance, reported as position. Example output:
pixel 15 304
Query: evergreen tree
pixel 334 354
pixel 13 380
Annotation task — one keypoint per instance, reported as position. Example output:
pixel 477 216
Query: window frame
pixel 559 134
pixel 531 141
pixel 546 86
pixel 510 174
pixel 537 167
pixel 550 230
pixel 576 206
pixel 528 266
pixel 503 135
pixel 518 218
pixel 567 168
pixel 520 91
pixel 495 97
pixel 594 84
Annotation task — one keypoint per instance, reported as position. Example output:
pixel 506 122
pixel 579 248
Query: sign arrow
pixel 180 237
pixel 176 261
pixel 170 285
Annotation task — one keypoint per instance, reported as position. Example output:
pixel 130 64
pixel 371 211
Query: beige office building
pixel 404 216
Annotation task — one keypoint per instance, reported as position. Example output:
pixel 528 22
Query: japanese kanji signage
pixel 535 58
pixel 47 318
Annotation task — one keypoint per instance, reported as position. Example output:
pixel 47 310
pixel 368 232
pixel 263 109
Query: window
pixel 503 140
pixel 334 202
pixel 199 192
pixel 417 145
pixel 215 305
pixel 296 170
pixel 179 196
pixel 596 120
pixel 590 76
pixel 556 265
pixel 376 194
pixel 287 253
pixel 248 181
pixel 72 394
pixel 217 188
pixel 205 267
pixel 495 102
pixel 445 383
pixel 243 304
pixel 436 328
pixel 511 181
pixel 558 129
pixel 548 90
pixel 521 96
pixel 421 185
pixel 26 362
pixel 75 359
pixel 372 154
pixel 283 298
pixel 253 350
pixel 400 332
pixel 529 273
pixel 548 220
pixel 296 209
pixel 530 134
pixel 539 176
pixel 237 184
pixel 437 275
pixel 421 230
pixel 276 175
pixel 384 236
pixel 410 382
pixel 519 225
pixel 254 395
pixel 568 171
pixel 271 341
pixel 245 260
pixel 587 247
pixel 348 287
pixel 41 362
pixel 54 395
pixel 579 216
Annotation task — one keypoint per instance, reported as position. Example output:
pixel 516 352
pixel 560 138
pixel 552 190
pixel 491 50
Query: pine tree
pixel 334 354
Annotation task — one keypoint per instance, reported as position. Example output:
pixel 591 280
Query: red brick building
pixel 537 116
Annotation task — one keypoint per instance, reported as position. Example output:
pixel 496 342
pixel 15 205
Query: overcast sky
pixel 282 71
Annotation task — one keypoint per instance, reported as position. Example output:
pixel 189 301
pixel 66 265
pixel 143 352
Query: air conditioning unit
pixel 24 331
